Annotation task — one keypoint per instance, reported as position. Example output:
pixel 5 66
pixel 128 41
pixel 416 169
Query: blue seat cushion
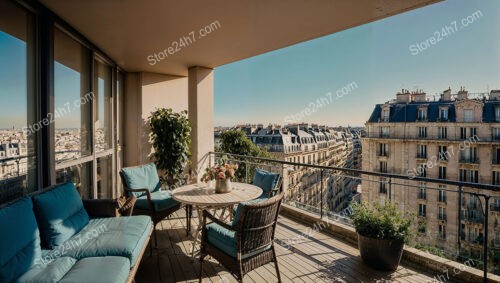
pixel 222 238
pixel 20 239
pixel 265 180
pixel 142 177
pixel 109 269
pixel 60 214
pixel 239 208
pixel 162 200
pixel 225 240
pixel 45 272
pixel 115 236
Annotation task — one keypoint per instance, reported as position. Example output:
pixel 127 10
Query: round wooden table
pixel 203 197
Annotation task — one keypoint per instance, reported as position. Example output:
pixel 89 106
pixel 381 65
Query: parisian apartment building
pixel 318 145
pixel 452 137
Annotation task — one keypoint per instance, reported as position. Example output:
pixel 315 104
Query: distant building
pixel 460 135
pixel 312 144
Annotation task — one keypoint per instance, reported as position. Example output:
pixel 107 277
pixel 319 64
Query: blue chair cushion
pixel 52 271
pixel 239 208
pixel 60 214
pixel 225 240
pixel 20 240
pixel 115 236
pixel 142 177
pixel 162 200
pixel 109 269
pixel 265 180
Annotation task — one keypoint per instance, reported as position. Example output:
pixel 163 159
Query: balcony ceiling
pixel 130 30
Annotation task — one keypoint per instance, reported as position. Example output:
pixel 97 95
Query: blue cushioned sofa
pixel 52 236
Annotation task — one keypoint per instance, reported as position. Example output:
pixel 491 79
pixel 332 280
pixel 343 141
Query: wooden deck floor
pixel 319 258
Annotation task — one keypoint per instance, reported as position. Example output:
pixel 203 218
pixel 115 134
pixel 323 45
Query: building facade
pixel 313 144
pixel 455 138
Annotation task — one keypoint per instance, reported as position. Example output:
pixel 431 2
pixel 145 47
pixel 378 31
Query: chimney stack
pixel 462 94
pixel 419 96
pixel 403 96
pixel 446 95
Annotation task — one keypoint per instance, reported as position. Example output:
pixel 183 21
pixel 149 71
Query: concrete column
pixel 201 115
pixel 145 92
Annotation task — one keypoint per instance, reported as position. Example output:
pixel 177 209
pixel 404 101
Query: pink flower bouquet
pixel 219 172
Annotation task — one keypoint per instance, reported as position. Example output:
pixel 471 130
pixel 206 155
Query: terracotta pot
pixel 223 186
pixel 381 254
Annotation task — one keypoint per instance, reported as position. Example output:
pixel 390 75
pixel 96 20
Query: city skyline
pixel 376 56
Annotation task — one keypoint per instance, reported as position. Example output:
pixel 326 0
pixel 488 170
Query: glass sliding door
pixel 80 174
pixel 19 127
pixel 103 129
pixel 120 89
pixel 72 116
pixel 104 106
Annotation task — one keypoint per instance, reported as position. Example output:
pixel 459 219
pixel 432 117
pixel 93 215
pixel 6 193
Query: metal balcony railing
pixel 495 207
pixel 323 200
pixel 474 216
pixel 421 155
pixel 470 160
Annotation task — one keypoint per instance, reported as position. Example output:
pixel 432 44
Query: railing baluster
pixel 246 172
pixel 460 191
pixel 485 243
pixel 321 202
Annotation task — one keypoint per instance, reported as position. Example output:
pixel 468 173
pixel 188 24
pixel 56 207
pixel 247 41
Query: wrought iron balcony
pixel 469 160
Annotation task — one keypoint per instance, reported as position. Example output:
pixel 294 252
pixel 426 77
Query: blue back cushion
pixel 20 240
pixel 142 177
pixel 60 214
pixel 265 180
pixel 240 206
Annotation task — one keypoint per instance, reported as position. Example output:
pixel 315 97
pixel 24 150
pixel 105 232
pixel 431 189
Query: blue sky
pixel 376 56
pixel 271 87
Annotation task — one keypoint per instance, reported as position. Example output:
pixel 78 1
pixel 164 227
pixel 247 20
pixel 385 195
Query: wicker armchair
pixel 269 182
pixel 247 243
pixel 143 182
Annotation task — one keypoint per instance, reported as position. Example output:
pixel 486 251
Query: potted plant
pixel 222 174
pixel 382 232
pixel 170 138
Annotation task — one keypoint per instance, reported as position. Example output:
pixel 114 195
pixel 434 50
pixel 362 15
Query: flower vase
pixel 223 186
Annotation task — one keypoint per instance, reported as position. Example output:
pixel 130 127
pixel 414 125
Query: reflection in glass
pixel 73 99
pixel 103 124
pixel 104 177
pixel 18 173
pixel 80 175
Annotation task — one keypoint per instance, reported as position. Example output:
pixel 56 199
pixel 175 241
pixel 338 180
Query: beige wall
pixel 144 92
pixel 201 116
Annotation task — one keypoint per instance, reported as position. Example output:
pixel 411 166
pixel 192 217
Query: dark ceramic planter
pixel 380 254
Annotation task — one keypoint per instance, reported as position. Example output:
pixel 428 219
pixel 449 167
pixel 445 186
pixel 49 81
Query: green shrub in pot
pixel 382 232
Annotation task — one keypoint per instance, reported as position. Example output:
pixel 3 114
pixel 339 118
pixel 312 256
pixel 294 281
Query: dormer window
pixel 443 113
pixel 422 114
pixel 497 113
pixel 385 115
